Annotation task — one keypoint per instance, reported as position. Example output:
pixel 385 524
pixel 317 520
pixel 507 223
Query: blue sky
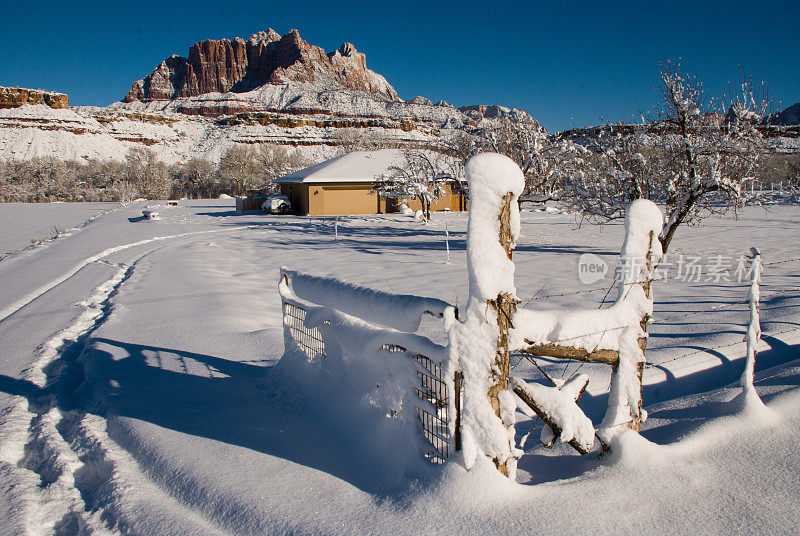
pixel 568 64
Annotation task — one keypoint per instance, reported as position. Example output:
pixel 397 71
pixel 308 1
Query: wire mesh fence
pixel 434 420
pixel 308 339
pixel 433 389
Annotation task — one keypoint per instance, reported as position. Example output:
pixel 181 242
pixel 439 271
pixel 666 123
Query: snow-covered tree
pixel 146 174
pixel 621 167
pixel 421 175
pixel 546 161
pixel 694 161
pixel 239 167
pixel 196 178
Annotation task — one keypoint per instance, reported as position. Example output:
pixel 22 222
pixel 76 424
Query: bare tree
pixel 239 168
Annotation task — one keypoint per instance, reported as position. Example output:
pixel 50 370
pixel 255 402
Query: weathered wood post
pixel 504 306
pixel 481 341
pixel 646 281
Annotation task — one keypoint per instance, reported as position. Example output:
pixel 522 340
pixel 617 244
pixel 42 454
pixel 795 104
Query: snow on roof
pixel 358 166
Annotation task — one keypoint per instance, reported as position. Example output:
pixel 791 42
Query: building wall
pixel 354 198
pixel 451 200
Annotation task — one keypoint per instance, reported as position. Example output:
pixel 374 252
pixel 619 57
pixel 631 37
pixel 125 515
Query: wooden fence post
pixel 481 341
pixel 505 306
pixel 636 420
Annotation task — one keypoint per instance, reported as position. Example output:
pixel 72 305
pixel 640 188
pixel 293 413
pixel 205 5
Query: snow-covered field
pixel 24 224
pixel 137 394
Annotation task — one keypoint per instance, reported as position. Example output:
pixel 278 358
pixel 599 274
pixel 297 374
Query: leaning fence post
pixel 754 326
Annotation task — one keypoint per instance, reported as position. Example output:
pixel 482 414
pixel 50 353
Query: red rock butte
pixel 239 66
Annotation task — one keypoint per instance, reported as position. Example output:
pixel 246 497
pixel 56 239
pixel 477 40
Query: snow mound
pixel 402 312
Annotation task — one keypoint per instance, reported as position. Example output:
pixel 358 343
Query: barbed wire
pixel 655 321
pixel 608 289
pixel 773 263
pixel 764 297
pixel 718 347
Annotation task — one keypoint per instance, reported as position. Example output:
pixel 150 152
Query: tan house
pixel 342 185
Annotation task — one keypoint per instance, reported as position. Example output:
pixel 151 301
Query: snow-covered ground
pixel 24 224
pixel 137 394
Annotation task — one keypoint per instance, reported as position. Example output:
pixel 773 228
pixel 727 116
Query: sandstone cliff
pixel 12 97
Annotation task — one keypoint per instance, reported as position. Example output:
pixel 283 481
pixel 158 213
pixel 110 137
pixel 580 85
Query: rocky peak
pixel 263 37
pixel 238 66
pixel 347 49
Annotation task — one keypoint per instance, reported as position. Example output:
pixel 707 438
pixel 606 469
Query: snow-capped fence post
pixel 480 343
pixel 640 254
pixel 754 326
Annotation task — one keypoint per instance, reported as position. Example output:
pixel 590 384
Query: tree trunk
pixel 666 237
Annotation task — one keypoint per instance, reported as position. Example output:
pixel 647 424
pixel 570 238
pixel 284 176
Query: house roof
pixel 358 166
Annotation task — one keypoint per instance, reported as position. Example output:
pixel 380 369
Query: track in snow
pixel 69 471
